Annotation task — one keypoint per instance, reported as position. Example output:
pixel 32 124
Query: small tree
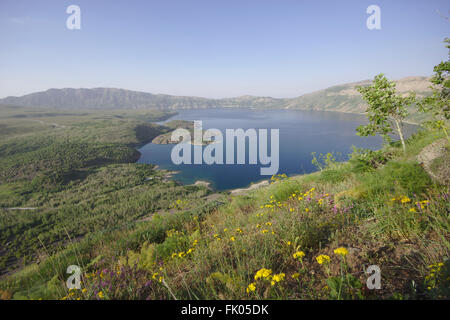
pixel 438 103
pixel 385 108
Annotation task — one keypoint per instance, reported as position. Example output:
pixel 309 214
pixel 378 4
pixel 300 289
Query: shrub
pixel 396 177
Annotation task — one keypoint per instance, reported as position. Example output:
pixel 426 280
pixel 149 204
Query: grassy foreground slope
pixel 305 237
pixel 70 176
pixel 280 241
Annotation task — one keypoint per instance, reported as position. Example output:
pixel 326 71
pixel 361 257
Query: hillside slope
pixel 304 237
pixel 342 98
pixel 345 98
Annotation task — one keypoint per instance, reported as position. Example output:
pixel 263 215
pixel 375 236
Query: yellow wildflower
pixel 341 251
pixel 323 259
pixel 296 275
pixel 277 278
pixel 251 287
pixel 405 199
pixel 298 255
pixel 263 274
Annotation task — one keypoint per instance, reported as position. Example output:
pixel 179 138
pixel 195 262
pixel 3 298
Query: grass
pixel 240 238
pixel 73 170
pixel 149 239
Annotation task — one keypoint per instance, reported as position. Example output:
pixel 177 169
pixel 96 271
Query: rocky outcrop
pixel 435 158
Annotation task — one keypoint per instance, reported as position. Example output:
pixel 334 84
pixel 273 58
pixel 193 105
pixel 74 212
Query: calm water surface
pixel 301 133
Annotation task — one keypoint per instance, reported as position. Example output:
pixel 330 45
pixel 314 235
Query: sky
pixel 216 48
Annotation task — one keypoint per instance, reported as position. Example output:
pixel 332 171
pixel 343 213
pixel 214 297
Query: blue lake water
pixel 301 133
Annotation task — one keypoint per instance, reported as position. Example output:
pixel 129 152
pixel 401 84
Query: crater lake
pixel 300 134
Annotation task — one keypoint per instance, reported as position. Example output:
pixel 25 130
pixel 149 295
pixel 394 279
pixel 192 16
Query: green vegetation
pixel 137 235
pixel 71 175
pixel 384 108
pixel 438 103
pixel 71 195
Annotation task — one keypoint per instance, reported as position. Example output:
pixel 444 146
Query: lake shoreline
pixel 253 186
pixel 325 132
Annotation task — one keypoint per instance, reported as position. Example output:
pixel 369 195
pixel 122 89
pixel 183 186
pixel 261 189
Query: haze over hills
pixel 342 98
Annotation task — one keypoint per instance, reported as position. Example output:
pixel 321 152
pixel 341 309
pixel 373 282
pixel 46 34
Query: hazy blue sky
pixel 216 48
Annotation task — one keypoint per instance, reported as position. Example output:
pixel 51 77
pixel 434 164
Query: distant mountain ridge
pixel 345 98
pixel 342 98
